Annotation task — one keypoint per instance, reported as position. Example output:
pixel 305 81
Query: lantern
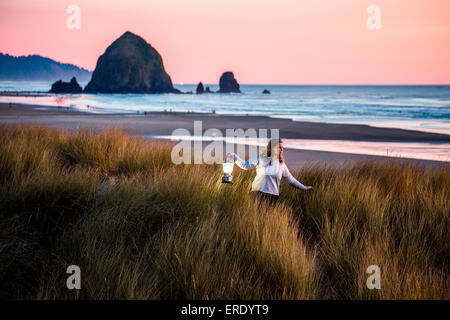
pixel 227 170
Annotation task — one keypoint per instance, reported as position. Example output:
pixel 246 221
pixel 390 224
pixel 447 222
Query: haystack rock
pixel 200 89
pixel 66 87
pixel 130 65
pixel 228 83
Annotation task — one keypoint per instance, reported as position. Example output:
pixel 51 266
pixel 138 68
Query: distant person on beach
pixel 270 168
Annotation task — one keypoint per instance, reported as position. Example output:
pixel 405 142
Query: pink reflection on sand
pixel 419 125
pixel 45 100
pixel 38 99
pixel 412 150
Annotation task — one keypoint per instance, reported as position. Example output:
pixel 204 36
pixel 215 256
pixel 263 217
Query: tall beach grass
pixel 140 227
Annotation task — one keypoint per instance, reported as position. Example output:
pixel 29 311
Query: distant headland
pixel 38 68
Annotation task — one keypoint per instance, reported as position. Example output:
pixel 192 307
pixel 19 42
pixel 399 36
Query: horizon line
pixel 285 84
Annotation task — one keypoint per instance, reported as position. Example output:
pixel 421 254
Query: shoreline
pixel 122 107
pixel 289 129
pixel 163 124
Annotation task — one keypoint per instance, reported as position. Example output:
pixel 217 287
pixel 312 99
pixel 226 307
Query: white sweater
pixel 268 176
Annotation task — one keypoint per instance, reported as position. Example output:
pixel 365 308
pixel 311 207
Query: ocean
pixel 423 108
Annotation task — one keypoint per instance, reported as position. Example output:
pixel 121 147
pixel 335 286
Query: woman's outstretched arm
pixel 292 181
pixel 246 165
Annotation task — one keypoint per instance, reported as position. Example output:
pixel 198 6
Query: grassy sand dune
pixel 140 227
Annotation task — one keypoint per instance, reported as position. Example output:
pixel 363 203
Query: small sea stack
pixel 200 89
pixel 66 87
pixel 228 83
pixel 265 91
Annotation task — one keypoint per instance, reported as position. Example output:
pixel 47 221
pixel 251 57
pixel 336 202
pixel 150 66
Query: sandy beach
pixel 163 123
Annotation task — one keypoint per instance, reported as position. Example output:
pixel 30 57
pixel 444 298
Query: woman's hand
pixel 309 188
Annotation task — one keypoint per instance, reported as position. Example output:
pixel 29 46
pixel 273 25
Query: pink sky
pixel 263 41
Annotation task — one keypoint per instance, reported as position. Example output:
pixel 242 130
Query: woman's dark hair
pixel 268 154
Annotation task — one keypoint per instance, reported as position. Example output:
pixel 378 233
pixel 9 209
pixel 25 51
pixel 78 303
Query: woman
pixel 270 168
